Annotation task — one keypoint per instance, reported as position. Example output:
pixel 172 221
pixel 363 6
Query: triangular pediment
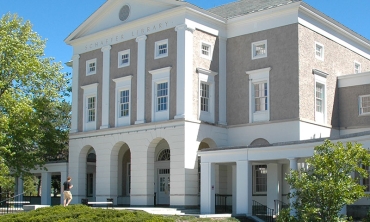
pixel 114 13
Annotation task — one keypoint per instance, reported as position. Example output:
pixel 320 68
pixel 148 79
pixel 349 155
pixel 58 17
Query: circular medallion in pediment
pixel 124 12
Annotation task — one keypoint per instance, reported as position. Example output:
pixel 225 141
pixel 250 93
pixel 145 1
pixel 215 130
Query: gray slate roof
pixel 243 7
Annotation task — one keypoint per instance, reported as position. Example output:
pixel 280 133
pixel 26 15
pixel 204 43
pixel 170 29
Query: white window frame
pixel 89 91
pixel 255 77
pixel 210 50
pixel 360 105
pixel 88 62
pixel 207 77
pixel 123 83
pixel 254 47
pixel 120 54
pixel 160 76
pixel 262 167
pixel 321 56
pixel 357 67
pixel 157 50
pixel 320 78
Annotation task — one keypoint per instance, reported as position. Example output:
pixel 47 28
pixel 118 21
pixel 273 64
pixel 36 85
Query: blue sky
pixel 56 19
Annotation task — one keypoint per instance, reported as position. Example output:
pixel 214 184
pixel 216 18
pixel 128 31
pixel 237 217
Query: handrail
pixel 221 201
pixel 279 205
pixel 13 204
pixel 263 212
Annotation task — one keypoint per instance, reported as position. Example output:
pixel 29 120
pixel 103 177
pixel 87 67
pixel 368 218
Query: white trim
pixel 253 49
pixel 157 55
pixel 120 54
pixel 360 105
pixel 160 76
pixel 88 62
pixel 259 76
pixel 90 91
pixel 321 56
pixel 123 83
pixel 140 82
pixel 354 79
pixel 207 77
pixel 321 117
pixel 75 89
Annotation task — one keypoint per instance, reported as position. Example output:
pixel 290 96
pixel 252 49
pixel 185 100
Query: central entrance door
pixel 164 186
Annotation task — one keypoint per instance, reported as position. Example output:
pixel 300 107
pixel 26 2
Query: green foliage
pixel 85 213
pixel 322 189
pixel 34 116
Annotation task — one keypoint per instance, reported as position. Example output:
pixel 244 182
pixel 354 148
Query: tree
pixel 34 115
pixel 322 189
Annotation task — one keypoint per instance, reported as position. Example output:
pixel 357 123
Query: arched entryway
pixel 91 175
pixel 124 175
pixel 162 173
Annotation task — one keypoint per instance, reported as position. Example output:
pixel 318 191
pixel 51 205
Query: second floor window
pixel 319 98
pixel 260 97
pixel 124 58
pixel 204 97
pixel 91 109
pixel 91 67
pixel 161 49
pixel 124 103
pixel 162 96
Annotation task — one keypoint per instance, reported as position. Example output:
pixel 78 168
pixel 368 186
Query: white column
pixel 243 188
pixel 234 189
pixel 105 87
pixel 222 82
pixel 18 187
pixel 46 188
pixel 75 75
pixel 184 80
pixel 207 189
pixel 140 111
pixel 273 184
pixel 293 166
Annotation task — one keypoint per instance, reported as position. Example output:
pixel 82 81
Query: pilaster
pixel 140 115
pixel 222 81
pixel 105 87
pixel 75 75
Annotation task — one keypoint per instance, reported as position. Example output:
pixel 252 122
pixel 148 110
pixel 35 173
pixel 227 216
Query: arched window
pixel 91 157
pixel 164 155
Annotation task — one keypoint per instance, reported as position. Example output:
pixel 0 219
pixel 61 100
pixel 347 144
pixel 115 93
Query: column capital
pixel 75 57
pixel 106 48
pixel 141 38
pixel 184 27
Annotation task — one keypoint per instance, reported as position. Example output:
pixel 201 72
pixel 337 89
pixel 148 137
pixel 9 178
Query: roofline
pixel 335 24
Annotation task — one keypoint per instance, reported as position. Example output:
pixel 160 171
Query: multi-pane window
pixel 319 98
pixel 260 97
pixel 319 51
pixel 91 109
pixel 91 67
pixel 162 96
pixel 204 97
pixel 357 67
pixel 259 49
pixel 260 178
pixel 206 50
pixel 364 104
pixel 90 184
pixel 161 49
pixel 124 58
pixel 124 103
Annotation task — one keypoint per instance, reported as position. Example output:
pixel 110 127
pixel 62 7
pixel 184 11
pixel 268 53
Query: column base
pixel 73 131
pixel 104 127
pixel 180 116
pixel 139 121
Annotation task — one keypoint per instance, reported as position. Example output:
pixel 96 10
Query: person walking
pixel 67 186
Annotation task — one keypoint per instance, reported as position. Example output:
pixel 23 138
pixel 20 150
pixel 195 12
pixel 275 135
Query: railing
pixel 263 212
pixel 12 204
pixel 223 203
pixel 279 205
